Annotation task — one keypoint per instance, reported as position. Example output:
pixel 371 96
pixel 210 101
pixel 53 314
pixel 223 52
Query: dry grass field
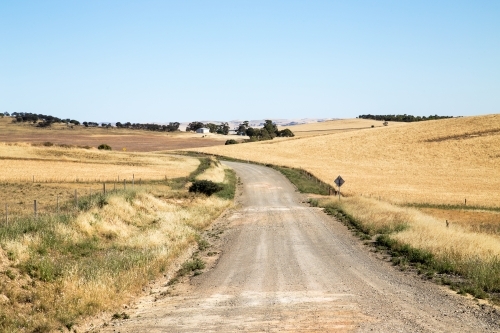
pixel 97 253
pixel 440 162
pixel 456 251
pixel 49 174
pixel 336 126
pixel 48 164
pixel 118 139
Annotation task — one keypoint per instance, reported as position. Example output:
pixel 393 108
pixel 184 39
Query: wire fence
pixel 63 204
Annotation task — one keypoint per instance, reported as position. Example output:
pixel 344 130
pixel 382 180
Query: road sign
pixel 339 181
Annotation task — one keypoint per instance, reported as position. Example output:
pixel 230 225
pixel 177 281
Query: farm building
pixel 202 130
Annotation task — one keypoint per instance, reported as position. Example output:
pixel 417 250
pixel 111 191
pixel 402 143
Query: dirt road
pixel 287 267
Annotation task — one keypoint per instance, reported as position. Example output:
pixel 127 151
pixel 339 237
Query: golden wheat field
pixel 336 126
pixel 442 162
pixel 53 174
pixel 22 162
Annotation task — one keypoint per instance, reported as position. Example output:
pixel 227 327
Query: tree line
pixel 41 120
pixel 214 128
pixel 267 132
pixel 402 117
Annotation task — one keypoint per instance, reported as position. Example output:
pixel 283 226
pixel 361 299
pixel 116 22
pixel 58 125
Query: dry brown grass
pixel 216 173
pixel 62 266
pixel 57 172
pixel 134 241
pixel 471 220
pixel 20 162
pixel 452 249
pixel 441 161
pixel 336 126
pixel 420 230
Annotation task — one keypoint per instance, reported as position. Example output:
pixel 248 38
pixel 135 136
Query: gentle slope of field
pixel 336 126
pixel 443 161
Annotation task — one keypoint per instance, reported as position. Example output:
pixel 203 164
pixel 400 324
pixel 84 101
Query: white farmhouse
pixel 203 130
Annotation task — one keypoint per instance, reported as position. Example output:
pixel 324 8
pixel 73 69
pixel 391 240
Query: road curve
pixel 287 267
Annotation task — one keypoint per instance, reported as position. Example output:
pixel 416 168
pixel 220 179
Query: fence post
pixel 133 180
pixel 124 184
pixel 57 203
pixel 104 188
pixel 76 198
pixel 34 206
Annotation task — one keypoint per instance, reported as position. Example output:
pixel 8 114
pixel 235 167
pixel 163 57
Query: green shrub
pixel 104 147
pixel 205 186
pixel 231 142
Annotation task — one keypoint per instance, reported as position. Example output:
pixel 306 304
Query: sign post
pixel 339 182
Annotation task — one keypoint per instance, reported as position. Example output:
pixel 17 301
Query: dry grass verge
pixel 428 243
pixel 59 268
pixel 216 173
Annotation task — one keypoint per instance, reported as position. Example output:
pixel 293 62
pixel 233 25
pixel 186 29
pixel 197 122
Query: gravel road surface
pixel 287 267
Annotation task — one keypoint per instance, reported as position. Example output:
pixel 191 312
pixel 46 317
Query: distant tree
pixel 242 128
pixel 212 127
pixel 172 127
pixel 193 126
pixel 250 131
pixel 223 129
pixel 271 128
pixel 285 133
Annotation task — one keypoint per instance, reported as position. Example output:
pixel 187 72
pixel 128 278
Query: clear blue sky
pixel 160 61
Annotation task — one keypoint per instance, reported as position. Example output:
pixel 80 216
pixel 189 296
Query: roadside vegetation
pixel 450 254
pixel 95 254
pixel 465 257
